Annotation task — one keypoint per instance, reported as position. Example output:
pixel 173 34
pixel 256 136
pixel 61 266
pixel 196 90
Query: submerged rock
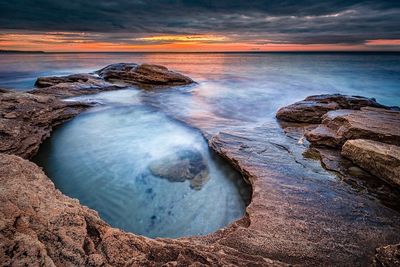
pixel 143 75
pixel 380 159
pixel 26 120
pixel 368 123
pixel 312 108
pixel 184 164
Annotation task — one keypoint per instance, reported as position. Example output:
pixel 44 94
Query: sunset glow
pixel 83 42
pixel 198 26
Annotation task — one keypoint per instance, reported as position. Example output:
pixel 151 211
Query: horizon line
pixel 200 52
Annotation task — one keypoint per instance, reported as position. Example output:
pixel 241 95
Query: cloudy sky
pixel 219 25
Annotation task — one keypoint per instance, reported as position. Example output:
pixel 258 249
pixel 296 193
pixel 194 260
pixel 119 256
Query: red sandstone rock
pixel 112 77
pixel 72 85
pixel 26 120
pixel 41 226
pixel 368 123
pixel 312 108
pixel 143 75
pixel 380 159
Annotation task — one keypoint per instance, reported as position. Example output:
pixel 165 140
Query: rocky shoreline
pixel 285 223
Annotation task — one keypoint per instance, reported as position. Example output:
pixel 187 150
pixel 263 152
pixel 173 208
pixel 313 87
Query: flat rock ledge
pixel 366 132
pixel 312 108
pixel 112 77
pixel 382 160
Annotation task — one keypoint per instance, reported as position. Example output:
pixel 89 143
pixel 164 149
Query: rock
pixel 380 159
pixel 312 108
pixel 112 77
pixel 26 120
pixel 387 256
pixel 184 164
pixel 144 75
pixel 368 123
pixel 72 85
pixel 39 226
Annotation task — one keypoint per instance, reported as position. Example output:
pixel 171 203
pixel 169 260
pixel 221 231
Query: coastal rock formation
pixel 26 120
pixel 355 121
pixel 368 123
pixel 72 85
pixel 294 216
pixel 312 108
pixel 184 164
pixel 41 226
pixel 112 77
pixel 380 159
pixel 144 75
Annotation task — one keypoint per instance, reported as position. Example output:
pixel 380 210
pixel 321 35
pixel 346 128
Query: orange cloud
pixel 83 42
pixel 384 42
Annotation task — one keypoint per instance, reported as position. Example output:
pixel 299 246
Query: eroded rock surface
pixel 112 77
pixel 368 123
pixel 382 160
pixel 312 108
pixel 72 85
pixel 144 75
pixel 26 120
pixel 184 164
pixel 39 226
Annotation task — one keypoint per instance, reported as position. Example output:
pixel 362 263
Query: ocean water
pixel 102 157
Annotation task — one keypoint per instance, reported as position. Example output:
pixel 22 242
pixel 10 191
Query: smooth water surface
pixel 102 156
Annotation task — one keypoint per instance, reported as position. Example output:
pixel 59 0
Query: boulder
pixel 380 159
pixel 144 75
pixel 72 85
pixel 367 123
pixel 112 77
pixel 312 108
pixel 184 164
pixel 27 119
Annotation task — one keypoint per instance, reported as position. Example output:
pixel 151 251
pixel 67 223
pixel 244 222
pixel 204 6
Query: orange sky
pixel 80 42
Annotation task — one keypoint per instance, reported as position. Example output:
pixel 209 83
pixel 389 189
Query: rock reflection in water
pixel 114 161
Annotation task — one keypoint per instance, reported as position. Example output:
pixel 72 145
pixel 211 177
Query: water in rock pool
pixel 142 171
pixel 107 155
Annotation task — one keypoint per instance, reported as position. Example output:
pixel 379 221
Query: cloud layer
pixel 256 23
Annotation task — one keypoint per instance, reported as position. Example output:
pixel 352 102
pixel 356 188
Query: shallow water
pixel 102 156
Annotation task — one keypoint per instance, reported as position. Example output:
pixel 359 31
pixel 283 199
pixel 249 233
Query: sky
pixel 199 26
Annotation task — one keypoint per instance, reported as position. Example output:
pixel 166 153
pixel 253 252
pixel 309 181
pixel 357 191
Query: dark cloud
pixel 304 22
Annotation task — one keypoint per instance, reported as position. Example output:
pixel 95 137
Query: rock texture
pixel 72 85
pixel 143 75
pixel 184 164
pixel 382 160
pixel 39 226
pixel 294 216
pixel 112 77
pixel 387 256
pixel 26 120
pixel 312 108
pixel 368 123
